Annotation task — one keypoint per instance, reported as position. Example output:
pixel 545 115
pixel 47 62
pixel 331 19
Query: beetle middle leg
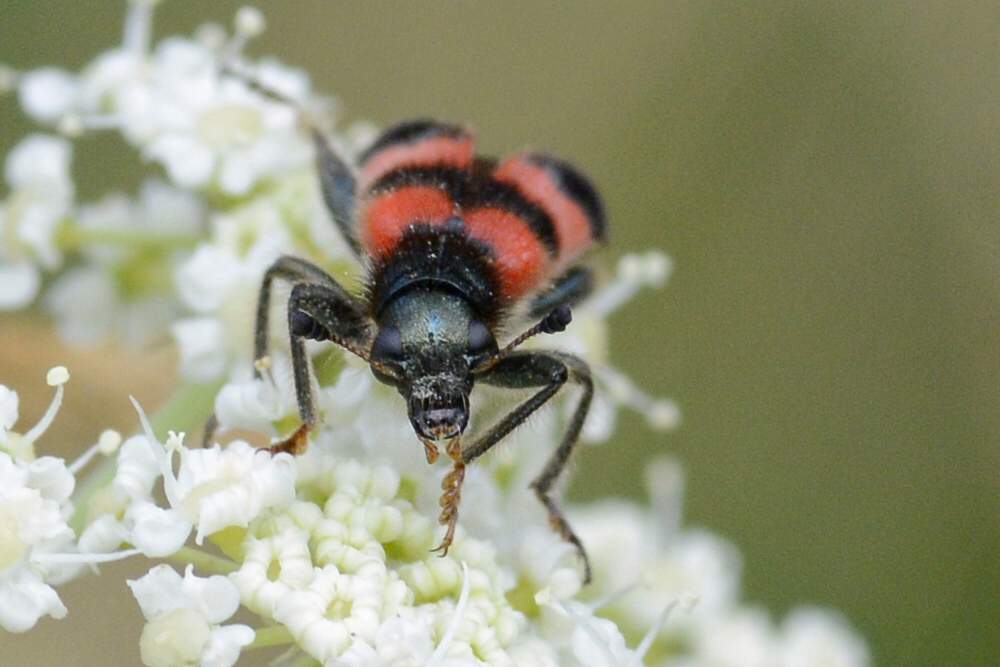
pixel 550 371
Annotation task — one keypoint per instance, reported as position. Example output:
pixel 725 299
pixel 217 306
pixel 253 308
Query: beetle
pixel 451 242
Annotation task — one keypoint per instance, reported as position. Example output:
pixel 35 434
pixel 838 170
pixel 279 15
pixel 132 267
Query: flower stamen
pixel 84 558
pixel 661 414
pixel 163 458
pixel 56 377
pixel 647 641
pixel 248 23
pixel 634 272
pixel 138 26
pixel 107 444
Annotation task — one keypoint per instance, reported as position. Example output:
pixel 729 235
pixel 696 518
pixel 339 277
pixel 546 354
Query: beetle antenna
pixel 306 118
pixel 554 322
pixel 230 69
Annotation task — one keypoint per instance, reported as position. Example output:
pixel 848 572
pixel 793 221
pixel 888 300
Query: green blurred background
pixel 824 175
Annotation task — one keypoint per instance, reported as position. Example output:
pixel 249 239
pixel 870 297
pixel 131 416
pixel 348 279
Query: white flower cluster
pixel 329 551
pixel 332 553
pixel 40 197
pixel 35 509
pixel 221 145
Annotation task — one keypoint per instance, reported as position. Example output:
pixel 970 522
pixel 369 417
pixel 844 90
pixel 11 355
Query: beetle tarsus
pixel 295 444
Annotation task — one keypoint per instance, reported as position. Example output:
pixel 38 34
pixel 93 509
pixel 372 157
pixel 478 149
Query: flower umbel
pixel 326 556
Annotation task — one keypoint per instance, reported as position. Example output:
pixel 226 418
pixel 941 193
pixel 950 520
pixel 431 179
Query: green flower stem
pixel 187 409
pixel 272 635
pixel 204 562
pixel 71 237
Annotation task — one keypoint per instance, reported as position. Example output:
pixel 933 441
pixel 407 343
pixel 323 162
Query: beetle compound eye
pixel 481 340
pixel 388 344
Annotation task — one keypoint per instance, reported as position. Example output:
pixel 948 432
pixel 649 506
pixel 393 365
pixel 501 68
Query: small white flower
pixel 40 162
pixel 597 642
pixel 22 446
pixel 184 618
pixel 742 638
pixel 335 609
pixel 25 598
pixel 124 511
pixel 37 171
pixel 549 565
pixel 160 212
pixel 272 568
pixel 201 343
pixel 211 129
pixel 253 405
pixel 250 21
pixel 812 637
pixel 48 94
pixel 9 403
pixel 34 507
pixel 123 287
pixel 206 278
pixel 639 565
pixel 698 565
pixel 19 283
pixel 222 283
pixel 110 79
pixel 155 531
pixel 90 302
pixel 401 641
pixel 220 487
pixel 137 469
pixel 83 300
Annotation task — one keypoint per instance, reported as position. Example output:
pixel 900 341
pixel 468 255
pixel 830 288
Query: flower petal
pixel 25 598
pixel 19 283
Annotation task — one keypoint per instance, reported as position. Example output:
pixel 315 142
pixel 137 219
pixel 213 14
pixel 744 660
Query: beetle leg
pixel 336 179
pixel 569 289
pixel 549 370
pixel 337 183
pixel 319 312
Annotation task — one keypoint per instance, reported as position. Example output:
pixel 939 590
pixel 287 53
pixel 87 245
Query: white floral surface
pixel 328 553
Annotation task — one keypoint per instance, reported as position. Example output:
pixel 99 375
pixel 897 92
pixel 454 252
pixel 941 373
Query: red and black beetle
pixel 451 242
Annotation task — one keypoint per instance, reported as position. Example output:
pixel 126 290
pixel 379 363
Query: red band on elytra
pixel 569 218
pixel 441 150
pixel 521 262
pixel 387 216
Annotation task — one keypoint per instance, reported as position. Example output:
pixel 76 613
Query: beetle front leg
pixel 295 271
pixel 319 312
